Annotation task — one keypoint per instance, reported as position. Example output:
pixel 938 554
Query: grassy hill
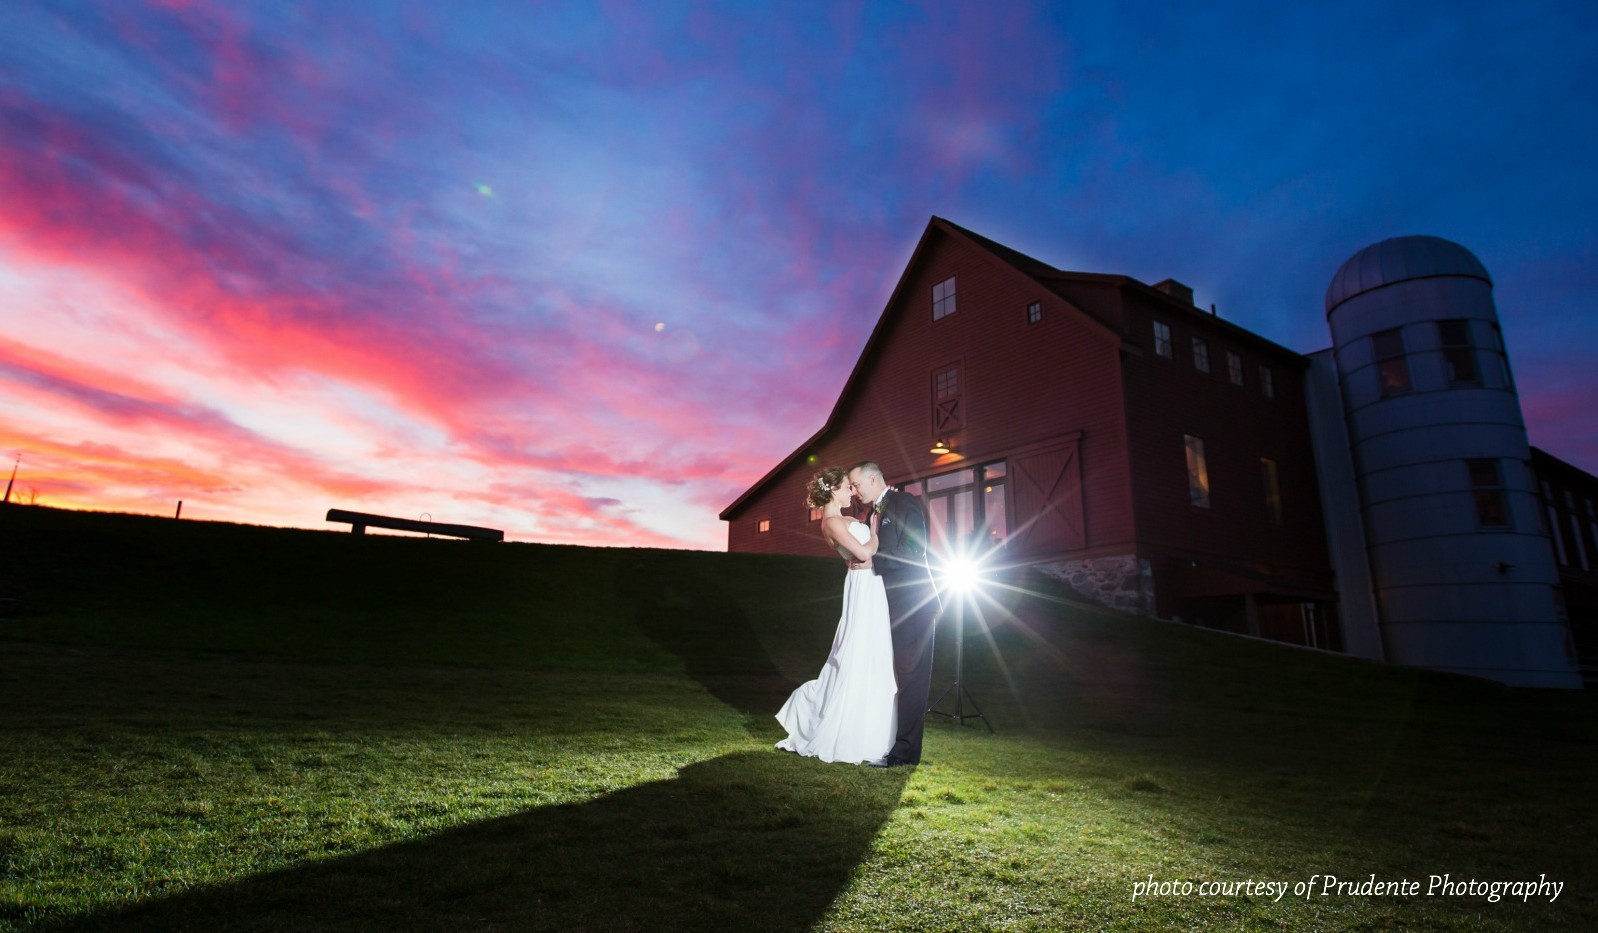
pixel 207 725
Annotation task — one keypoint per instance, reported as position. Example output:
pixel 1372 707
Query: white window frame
pixel 1162 341
pixel 943 299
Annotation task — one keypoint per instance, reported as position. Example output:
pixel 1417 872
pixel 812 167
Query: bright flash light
pixel 962 574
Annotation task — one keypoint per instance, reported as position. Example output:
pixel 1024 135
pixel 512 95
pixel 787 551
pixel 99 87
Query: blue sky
pixel 586 271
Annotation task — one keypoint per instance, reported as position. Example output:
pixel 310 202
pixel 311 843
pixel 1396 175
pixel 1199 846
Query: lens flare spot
pixel 681 346
pixel 962 574
pixel 660 327
pixel 485 190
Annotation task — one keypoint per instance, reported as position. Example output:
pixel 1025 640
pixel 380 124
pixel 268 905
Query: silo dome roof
pixel 1398 260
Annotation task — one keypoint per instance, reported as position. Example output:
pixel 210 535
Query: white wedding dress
pixel 847 713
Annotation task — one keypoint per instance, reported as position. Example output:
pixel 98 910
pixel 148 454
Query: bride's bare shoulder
pixel 836 527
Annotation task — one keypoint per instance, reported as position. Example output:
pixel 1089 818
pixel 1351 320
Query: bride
pixel 847 712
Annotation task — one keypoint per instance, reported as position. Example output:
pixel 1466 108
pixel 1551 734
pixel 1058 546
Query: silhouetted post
pixel 179 513
pixel 12 481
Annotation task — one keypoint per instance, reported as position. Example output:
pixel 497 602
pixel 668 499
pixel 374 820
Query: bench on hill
pixel 360 521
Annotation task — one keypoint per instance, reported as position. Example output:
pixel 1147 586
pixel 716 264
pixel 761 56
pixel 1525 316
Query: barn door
pixel 1047 488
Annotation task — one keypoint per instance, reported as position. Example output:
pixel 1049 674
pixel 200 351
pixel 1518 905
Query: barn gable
pixel 1012 264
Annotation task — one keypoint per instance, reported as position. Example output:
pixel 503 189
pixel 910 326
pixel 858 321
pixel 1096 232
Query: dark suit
pixel 901 562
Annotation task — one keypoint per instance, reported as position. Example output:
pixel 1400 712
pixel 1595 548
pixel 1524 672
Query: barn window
pixel 1267 382
pixel 1201 355
pixel 764 526
pixel 1575 530
pixel 943 299
pixel 946 413
pixel 1273 491
pixel 1034 312
pixel 1592 523
pixel 1553 518
pixel 1198 472
pixel 815 514
pixel 1234 367
pixel 1162 339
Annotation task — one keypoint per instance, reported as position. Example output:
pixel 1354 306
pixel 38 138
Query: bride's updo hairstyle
pixel 820 488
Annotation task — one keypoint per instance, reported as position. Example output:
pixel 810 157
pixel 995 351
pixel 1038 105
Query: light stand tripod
pixel 961 694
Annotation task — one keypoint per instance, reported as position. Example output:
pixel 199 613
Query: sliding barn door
pixel 1047 488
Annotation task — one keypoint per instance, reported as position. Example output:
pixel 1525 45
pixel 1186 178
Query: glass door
pixel 965 509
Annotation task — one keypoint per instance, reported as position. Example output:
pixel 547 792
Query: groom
pixel 901 562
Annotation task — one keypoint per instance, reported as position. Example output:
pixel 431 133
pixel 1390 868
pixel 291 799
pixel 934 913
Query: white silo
pixel 1463 573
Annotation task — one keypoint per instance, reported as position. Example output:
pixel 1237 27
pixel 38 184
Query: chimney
pixel 1176 290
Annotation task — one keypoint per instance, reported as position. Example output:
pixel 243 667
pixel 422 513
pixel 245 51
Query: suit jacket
pixel 901 535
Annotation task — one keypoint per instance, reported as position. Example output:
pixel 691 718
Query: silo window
pixel 1458 354
pixel 1502 356
pixel 1391 366
pixel 1198 472
pixel 1487 486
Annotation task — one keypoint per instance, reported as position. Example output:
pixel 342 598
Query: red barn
pixel 1156 458
pixel 1569 500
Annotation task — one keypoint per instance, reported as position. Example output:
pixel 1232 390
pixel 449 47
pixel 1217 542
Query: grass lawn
pixel 206 726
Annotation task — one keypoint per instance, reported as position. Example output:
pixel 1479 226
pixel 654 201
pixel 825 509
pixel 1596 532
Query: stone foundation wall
pixel 1124 583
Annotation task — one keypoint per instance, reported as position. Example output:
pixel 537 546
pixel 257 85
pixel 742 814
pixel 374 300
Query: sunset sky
pixel 584 273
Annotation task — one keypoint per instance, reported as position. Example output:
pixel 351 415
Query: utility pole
pixel 12 481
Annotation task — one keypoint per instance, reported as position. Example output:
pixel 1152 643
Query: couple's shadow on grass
pixel 749 840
